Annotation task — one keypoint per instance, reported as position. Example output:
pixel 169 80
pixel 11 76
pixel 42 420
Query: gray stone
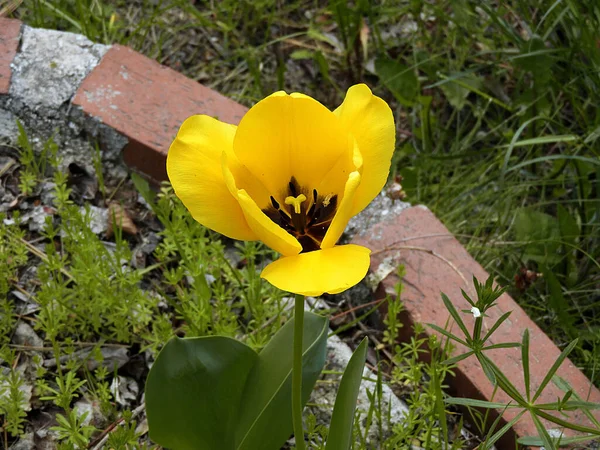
pixel 50 67
pixel 113 359
pixel 111 141
pixel 92 411
pixel 381 209
pixel 48 193
pixel 25 335
pixel 98 218
pixel 9 131
pixel 124 390
pixel 25 442
pixel 36 218
pixel 324 394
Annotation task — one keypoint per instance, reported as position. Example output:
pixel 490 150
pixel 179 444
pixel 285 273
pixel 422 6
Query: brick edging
pixel 436 262
pixel 146 102
pixel 10 31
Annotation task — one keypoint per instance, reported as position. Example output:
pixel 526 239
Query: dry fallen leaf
pixel 118 216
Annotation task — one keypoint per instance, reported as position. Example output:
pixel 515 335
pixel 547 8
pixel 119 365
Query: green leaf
pixel 265 420
pixel 476 403
pixel 525 362
pixel 542 234
pixel 401 80
pixel 541 140
pixel 215 392
pixel 458 358
pixel 454 313
pixel 536 58
pixel 494 327
pixel 563 355
pixel 569 229
pixel 557 301
pixel 488 443
pixel 546 439
pixel 535 441
pixel 457 92
pixel 302 54
pixel 193 392
pixel 340 430
pixel 143 187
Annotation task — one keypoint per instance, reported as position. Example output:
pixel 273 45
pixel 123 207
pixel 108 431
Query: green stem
pixel 297 373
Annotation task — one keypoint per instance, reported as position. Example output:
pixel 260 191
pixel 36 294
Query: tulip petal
pixel 344 211
pixel 267 231
pixel 331 270
pixel 285 136
pixel 370 120
pixel 194 169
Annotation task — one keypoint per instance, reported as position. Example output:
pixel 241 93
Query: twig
pixel 40 254
pixel 98 444
pixel 80 344
pixel 351 310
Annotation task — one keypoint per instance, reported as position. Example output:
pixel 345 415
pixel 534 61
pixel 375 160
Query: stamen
pixel 296 202
pixel 274 203
pixel 326 200
pixel 292 187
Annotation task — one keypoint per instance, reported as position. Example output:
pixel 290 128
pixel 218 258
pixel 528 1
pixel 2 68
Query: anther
pixel 292 188
pixel 296 202
pixel 326 200
pixel 274 203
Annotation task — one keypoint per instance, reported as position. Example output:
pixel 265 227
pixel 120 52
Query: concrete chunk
pixel 50 67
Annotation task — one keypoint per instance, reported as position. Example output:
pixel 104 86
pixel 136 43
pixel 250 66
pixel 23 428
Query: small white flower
pixel 476 312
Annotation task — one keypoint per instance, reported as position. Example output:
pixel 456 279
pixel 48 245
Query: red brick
pixel 147 103
pixel 427 276
pixel 10 30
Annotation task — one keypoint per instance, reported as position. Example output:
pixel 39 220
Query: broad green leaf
pixel 401 80
pixel 215 392
pixel 265 419
pixel 536 58
pixel 340 429
pixel 542 234
pixel 457 92
pixel 410 178
pixel 193 392
pixel 557 301
pixel 569 229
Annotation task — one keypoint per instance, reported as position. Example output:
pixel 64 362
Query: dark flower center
pixel 305 215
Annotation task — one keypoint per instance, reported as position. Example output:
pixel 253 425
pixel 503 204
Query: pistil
pixel 296 202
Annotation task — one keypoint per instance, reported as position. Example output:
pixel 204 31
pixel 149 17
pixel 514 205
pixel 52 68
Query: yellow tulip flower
pixel 292 174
